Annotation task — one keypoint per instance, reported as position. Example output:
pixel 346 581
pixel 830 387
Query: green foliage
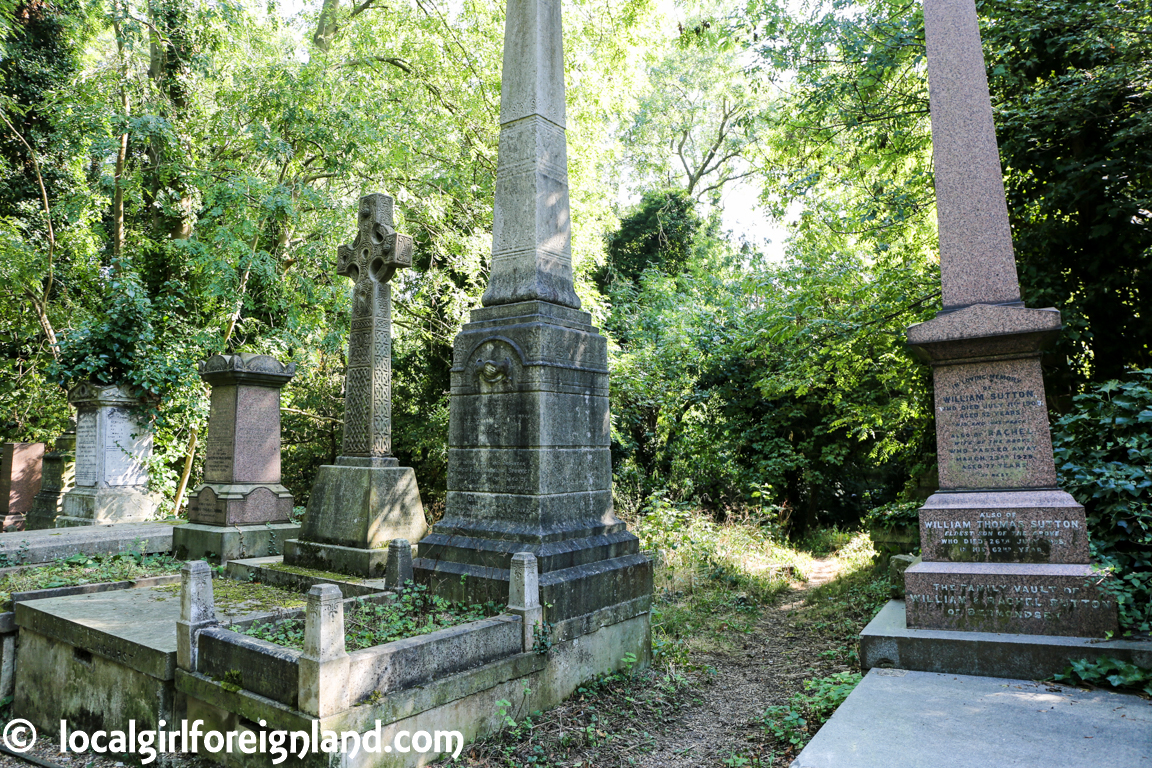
pixel 659 233
pixel 894 515
pixel 413 612
pixel 85 569
pixel 782 387
pixel 1114 673
pixel 796 723
pixel 1103 451
pixel 1070 85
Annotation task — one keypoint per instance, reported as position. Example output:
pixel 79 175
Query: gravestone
pixel 366 499
pixel 113 444
pixel 57 477
pixel 1005 550
pixel 241 509
pixel 20 468
pixel 529 467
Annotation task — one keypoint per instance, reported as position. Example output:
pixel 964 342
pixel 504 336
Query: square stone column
pixel 241 509
pixel 113 442
pixel 57 477
pixel 20 474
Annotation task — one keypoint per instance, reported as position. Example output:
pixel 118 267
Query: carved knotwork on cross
pixel 371 261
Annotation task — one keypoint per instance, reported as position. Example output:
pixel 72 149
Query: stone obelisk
pixel 366 499
pixel 529 468
pixel 1005 550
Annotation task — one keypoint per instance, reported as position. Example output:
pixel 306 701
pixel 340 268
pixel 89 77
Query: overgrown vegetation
pixel 796 722
pixel 1103 449
pixel 85 569
pixel 1112 673
pixel 413 612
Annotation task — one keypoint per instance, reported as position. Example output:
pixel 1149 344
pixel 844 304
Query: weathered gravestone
pixel 529 468
pixel 57 477
pixel 1005 550
pixel 241 509
pixel 20 468
pixel 113 444
pixel 366 499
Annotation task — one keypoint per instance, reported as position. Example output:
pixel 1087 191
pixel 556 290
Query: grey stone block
pixel 363 507
pixel 903 718
pixel 220 544
pixel 888 642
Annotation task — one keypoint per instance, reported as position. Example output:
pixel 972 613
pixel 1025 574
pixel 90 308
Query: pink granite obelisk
pixel 1005 550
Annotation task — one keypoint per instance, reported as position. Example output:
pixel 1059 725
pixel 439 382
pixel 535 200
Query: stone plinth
pixel 1062 600
pixel 529 468
pixel 241 509
pixel 57 477
pixel 1033 526
pixel 20 468
pixel 113 442
pixel 353 513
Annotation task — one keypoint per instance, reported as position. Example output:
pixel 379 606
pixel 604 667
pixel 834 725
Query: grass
pixel 414 612
pixel 85 569
pixel 712 580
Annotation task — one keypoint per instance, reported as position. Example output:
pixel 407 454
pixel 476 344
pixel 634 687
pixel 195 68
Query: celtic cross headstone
pixel 365 500
pixel 371 261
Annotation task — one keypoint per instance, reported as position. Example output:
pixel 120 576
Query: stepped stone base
pixel 1005 597
pixel 103 506
pixel 219 543
pixel 887 641
pixel 363 563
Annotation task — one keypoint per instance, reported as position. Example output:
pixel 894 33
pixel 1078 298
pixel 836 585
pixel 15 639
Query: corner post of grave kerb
pixel 398 567
pixel 197 611
pixel 324 663
pixel 524 594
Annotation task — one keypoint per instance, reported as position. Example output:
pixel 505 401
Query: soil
pixel 773 664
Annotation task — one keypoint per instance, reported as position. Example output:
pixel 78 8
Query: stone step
pixel 1034 599
pixel 888 642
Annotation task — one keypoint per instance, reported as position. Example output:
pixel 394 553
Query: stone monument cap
pixel 246 368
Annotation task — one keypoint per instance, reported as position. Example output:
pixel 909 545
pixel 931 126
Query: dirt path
pixel 772 664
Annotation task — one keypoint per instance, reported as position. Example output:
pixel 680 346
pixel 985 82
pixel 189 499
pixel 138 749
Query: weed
pixel 1109 672
pixel 796 722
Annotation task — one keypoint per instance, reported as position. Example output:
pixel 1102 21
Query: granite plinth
pixel 1040 526
pixel 1006 597
pixel 242 451
pixel 240 504
pixel 887 641
pixel 221 544
pixel 20 468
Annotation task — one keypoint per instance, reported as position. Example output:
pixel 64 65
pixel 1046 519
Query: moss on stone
pixel 312 573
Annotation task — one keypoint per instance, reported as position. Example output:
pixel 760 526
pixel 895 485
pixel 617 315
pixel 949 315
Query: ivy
pixel 1103 451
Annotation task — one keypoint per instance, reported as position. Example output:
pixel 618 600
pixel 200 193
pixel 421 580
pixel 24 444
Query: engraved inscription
pixel 86 437
pixel 127 443
pixel 992 426
pixel 1034 603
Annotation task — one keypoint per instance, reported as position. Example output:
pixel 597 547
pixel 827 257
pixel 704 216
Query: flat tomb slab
pixel 1035 599
pixel 49 544
pixel 888 642
pixel 897 717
